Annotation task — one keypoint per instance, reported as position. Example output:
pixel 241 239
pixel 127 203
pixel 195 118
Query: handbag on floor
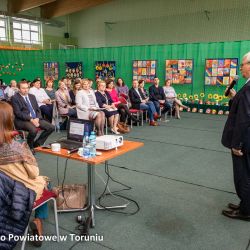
pixel 72 196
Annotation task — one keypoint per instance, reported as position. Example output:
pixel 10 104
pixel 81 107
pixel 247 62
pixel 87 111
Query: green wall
pixel 33 60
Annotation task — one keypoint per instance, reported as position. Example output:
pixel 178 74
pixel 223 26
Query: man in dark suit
pixel 157 96
pixel 139 101
pixel 28 116
pixel 235 137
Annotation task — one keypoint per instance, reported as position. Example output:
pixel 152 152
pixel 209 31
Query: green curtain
pixel 33 61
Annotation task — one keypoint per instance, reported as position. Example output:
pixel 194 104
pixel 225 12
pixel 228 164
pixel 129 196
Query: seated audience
pixel 171 98
pixel 49 89
pixel 12 89
pixel 28 116
pixel 122 108
pixel 17 162
pixel 77 85
pixel 104 100
pixel 139 101
pixel 121 87
pixel 88 108
pixel 43 100
pixel 64 103
pixel 68 83
pixel 157 96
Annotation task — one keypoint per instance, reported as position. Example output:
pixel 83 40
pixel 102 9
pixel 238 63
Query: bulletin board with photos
pixel 179 71
pixel 105 69
pixel 144 70
pixel 74 70
pixel 220 72
pixel 50 70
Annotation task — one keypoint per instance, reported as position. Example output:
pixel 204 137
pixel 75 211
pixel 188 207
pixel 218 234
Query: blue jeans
pixel 42 212
pixel 166 107
pixel 150 107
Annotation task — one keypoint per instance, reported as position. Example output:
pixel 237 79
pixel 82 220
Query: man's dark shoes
pixel 235 214
pixel 233 206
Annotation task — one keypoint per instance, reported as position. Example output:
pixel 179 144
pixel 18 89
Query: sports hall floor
pixel 182 179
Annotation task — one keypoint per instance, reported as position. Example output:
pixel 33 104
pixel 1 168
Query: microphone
pixel 72 151
pixel 235 80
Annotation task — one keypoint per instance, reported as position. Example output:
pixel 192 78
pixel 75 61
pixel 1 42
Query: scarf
pixel 16 152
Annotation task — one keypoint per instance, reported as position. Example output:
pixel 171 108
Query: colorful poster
pixel 74 70
pixel 50 70
pixel 180 71
pixel 220 71
pixel 105 69
pixel 144 69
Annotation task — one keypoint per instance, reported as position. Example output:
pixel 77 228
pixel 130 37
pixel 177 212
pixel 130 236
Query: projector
pixel 107 142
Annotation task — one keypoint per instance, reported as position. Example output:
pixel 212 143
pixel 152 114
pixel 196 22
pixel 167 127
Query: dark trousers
pixel 166 107
pixel 241 171
pixel 45 126
pixel 123 112
pixel 47 111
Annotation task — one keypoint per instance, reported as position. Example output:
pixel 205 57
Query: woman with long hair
pixel 18 162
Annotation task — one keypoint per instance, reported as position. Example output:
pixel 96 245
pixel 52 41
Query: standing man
pixel 28 116
pixel 157 96
pixel 236 137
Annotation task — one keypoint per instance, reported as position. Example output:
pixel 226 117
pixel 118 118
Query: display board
pixel 144 69
pixel 105 69
pixel 74 70
pixel 179 71
pixel 220 72
pixel 50 70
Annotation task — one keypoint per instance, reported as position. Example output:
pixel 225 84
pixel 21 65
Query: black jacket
pixel 135 98
pixel 102 100
pixel 156 94
pixel 21 109
pixel 235 133
pixel 16 202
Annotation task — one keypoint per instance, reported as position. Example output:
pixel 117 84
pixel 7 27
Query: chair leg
pixel 24 240
pixel 56 220
pixel 106 129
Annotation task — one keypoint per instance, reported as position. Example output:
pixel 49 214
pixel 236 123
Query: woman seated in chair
pixel 76 87
pixel 104 100
pixel 122 107
pixel 63 101
pixel 49 89
pixel 122 88
pixel 17 162
pixel 88 108
pixel 171 97
pixel 141 87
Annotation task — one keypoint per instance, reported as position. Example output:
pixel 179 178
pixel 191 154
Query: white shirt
pixel 40 95
pixel 11 92
pixel 138 94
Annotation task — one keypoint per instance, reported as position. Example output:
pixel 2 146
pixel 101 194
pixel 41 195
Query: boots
pixel 156 116
pixel 36 227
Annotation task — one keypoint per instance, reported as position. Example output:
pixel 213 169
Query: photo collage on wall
pixel 51 70
pixel 144 69
pixel 179 71
pixel 220 72
pixel 74 70
pixel 105 69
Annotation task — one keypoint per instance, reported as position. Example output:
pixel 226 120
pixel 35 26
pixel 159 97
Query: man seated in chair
pixel 157 96
pixel 28 116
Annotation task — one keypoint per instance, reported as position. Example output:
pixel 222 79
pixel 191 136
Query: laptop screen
pixel 77 128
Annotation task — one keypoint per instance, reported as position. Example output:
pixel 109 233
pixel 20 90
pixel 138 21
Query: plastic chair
pixel 46 197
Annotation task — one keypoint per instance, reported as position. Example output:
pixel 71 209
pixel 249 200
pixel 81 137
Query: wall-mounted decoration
pixel 11 69
pixel 144 69
pixel 105 69
pixel 220 71
pixel 51 70
pixel 179 71
pixel 74 70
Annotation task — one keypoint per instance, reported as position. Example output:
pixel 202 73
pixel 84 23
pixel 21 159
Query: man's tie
pixel 33 114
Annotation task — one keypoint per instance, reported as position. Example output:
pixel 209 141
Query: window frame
pixel 5 26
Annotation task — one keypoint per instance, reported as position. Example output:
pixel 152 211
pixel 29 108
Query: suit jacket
pixel 62 102
pixel 21 109
pixel 102 100
pixel 82 104
pixel 156 94
pixel 235 133
pixel 135 98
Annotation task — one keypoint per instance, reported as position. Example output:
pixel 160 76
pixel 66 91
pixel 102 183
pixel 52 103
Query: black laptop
pixel 76 129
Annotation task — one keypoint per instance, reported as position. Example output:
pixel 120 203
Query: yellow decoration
pixel 184 95
pixel 191 97
pixel 210 96
pixel 179 95
pixel 202 95
pixel 195 96
pixel 220 98
pixel 215 96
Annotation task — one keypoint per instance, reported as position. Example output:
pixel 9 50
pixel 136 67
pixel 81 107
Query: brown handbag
pixel 123 128
pixel 71 196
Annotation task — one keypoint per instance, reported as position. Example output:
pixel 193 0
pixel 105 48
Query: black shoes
pixel 235 214
pixel 233 206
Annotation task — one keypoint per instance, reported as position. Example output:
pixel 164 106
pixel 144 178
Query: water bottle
pixel 92 142
pixel 85 145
